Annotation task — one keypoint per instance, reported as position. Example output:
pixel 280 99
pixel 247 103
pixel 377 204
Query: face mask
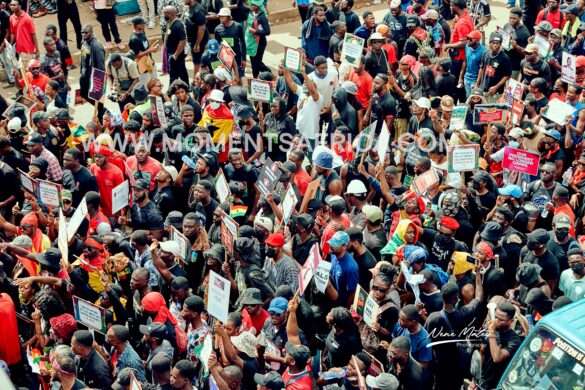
pixel 214 105
pixel 578 268
pixel 561 234
pixel 514 144
pixel 270 252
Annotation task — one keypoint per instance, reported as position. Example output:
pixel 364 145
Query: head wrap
pixel 154 302
pixel 63 326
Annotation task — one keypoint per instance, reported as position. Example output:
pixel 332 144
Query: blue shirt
pixel 130 359
pixel 344 276
pixel 418 343
pixel 473 58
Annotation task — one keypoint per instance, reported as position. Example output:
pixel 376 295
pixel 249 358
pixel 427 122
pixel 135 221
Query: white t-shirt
pixel 308 114
pixel 326 85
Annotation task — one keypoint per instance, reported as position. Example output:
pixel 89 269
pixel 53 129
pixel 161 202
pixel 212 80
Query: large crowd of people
pixel 399 216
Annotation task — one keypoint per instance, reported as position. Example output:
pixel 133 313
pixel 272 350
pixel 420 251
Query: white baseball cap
pixel 172 171
pixel 423 102
pixel 225 12
pixel 395 4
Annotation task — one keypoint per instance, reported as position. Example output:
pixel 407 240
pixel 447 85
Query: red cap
pixel 449 223
pixel 580 62
pixel 486 249
pixel 275 240
pixel 475 35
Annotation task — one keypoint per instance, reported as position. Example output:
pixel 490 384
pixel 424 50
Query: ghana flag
pixel 222 123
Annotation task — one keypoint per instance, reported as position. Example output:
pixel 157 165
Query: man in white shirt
pixel 326 80
pixel 309 107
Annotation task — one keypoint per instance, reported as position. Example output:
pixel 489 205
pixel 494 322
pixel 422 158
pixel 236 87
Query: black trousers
pixel 303 11
pixel 107 19
pixel 178 70
pixel 69 12
pixel 256 61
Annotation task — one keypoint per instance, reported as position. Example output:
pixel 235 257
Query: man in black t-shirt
pixel 502 344
pixel 232 33
pixel 195 23
pixel 494 69
pixel 175 45
pixel 77 178
pixel 519 35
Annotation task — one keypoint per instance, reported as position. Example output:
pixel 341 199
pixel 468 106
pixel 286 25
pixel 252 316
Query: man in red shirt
pixel 300 177
pixel 552 14
pixel 22 30
pixel 363 80
pixel 253 314
pixel 142 166
pixel 34 80
pixel 107 175
pixel 463 26
pixel 9 341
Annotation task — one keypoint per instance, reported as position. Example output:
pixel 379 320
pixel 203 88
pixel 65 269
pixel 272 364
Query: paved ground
pixel 282 35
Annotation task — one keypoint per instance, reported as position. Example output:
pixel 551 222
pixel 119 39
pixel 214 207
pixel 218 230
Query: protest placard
pixel 288 204
pixel 27 182
pixel 218 297
pixel 221 187
pixel 268 178
pixel 371 309
pixel 49 193
pixel 293 59
pixel 322 275
pixel 157 110
pixel 76 219
pixel 352 50
pixel 120 196
pixel 90 315
pixel 184 243
pixel 98 84
pixel 226 56
pixel 462 158
pixel 309 194
pixel 458 116
pixel 522 161
pixel 489 113
pixel 569 68
pixel 558 111
pixel 260 90
pixel 506 39
pixel 383 142
pixel 422 183
pixel 359 300
pixel 305 276
pixel 517 111
pixel 228 232
pixel 62 241
pixel 514 90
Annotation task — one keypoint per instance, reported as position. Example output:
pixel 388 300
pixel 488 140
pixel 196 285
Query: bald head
pixel 87 32
pixel 170 12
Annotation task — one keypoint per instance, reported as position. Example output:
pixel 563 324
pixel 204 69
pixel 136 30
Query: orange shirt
pixel 364 86
pixel 107 178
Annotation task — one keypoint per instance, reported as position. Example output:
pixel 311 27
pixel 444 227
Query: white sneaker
pixel 150 25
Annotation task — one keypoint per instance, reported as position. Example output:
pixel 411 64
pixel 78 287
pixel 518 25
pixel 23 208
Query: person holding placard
pixel 232 33
pixel 108 177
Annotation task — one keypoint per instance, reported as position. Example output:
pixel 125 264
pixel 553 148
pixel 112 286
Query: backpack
pixel 370 339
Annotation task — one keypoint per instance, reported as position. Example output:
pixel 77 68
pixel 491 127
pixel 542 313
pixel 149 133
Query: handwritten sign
pixel 353 48
pixel 522 161
pixel 260 90
pixel 184 243
pixel 49 193
pixel 371 309
pixel 120 196
pixel 98 84
pixel 76 219
pixel 221 187
pixel 462 158
pixel 293 59
pixel 226 56
pixel 90 315
pixel 218 298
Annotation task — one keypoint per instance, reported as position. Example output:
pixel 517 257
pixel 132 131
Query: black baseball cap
pixel 155 329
